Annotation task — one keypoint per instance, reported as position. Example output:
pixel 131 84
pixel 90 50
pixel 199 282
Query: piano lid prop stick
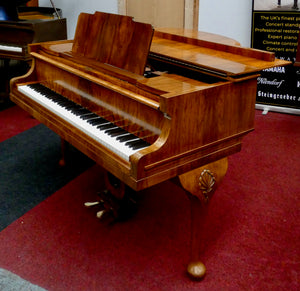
pixel 55 9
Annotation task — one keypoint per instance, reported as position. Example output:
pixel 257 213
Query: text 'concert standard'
pixel 147 106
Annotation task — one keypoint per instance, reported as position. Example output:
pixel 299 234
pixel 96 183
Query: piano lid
pixel 199 52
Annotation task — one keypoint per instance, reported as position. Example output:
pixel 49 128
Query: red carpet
pixel 252 242
pixel 14 120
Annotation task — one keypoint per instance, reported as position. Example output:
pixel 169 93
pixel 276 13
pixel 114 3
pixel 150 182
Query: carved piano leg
pixel 200 185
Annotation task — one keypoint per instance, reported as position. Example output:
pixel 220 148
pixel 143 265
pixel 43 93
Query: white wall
pixel 230 18
pixel 72 8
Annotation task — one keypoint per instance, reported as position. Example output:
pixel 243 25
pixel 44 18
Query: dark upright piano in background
pixel 178 120
pixel 21 25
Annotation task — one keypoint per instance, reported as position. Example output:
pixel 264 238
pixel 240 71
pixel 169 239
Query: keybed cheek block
pixel 181 123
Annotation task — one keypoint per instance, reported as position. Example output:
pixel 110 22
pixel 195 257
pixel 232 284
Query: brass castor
pixel 196 270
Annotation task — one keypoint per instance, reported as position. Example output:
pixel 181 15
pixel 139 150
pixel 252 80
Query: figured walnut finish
pixel 116 40
pixel 194 112
pixel 231 60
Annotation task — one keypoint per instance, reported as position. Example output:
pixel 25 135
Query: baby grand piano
pixel 178 120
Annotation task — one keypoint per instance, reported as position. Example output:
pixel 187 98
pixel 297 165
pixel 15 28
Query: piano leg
pixel 4 79
pixel 200 184
pixel 64 145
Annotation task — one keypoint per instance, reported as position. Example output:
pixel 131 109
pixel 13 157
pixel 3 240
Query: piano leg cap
pixel 62 163
pixel 196 270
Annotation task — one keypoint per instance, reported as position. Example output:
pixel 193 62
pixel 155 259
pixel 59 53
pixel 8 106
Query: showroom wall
pixel 72 8
pixel 230 18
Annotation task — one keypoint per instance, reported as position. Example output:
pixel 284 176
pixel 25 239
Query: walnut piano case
pixel 182 120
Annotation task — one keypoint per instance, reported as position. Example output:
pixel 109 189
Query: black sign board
pixel 275 28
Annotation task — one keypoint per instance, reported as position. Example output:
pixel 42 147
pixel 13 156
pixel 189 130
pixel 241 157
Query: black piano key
pixel 97 121
pixel 133 143
pixel 89 116
pixel 106 126
pixel 71 107
pixel 115 131
pixel 62 103
pixel 80 111
pixel 141 145
pixel 127 137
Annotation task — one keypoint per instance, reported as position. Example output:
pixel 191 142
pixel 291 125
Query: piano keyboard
pixel 11 48
pixel 113 137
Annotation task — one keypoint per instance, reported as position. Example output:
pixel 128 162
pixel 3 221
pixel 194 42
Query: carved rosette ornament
pixel 206 184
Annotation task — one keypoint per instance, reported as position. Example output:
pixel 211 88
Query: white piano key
pixel 11 48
